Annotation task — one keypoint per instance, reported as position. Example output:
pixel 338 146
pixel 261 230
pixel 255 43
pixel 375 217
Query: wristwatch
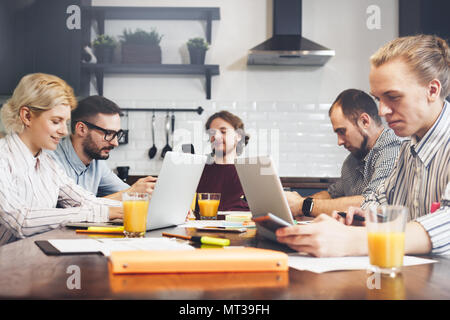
pixel 308 205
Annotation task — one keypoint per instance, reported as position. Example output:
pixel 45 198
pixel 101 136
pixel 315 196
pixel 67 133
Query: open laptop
pixel 263 190
pixel 174 189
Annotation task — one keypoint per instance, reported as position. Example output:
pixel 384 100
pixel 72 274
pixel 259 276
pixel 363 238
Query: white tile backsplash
pixel 284 108
pixel 299 136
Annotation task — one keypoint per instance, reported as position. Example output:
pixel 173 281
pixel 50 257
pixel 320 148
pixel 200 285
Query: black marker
pixel 355 217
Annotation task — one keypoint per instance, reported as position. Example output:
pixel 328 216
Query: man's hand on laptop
pixel 295 202
pixel 144 185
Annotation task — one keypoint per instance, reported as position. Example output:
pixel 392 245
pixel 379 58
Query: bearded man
pixel 373 151
pixel 95 125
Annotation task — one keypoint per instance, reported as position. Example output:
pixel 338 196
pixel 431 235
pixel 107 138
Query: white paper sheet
pixel 319 265
pixel 106 246
pixel 76 245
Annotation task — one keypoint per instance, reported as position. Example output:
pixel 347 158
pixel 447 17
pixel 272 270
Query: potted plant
pixel 197 50
pixel 104 48
pixel 141 46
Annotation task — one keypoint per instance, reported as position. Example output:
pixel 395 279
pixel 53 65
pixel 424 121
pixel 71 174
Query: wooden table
pixel 26 272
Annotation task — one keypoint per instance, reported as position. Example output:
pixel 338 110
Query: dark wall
pixel 424 16
pixel 35 38
pixel 57 49
pixel 8 51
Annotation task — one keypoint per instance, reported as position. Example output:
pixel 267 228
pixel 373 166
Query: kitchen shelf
pixel 99 70
pixel 102 13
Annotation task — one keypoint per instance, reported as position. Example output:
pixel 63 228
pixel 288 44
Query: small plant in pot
pixel 104 48
pixel 197 50
pixel 141 46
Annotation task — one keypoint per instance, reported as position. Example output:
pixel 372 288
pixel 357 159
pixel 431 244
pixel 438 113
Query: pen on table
pixel 204 240
pixel 118 230
pixel 355 217
pixel 222 229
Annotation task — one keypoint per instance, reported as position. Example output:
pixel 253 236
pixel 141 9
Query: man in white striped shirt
pixel 35 193
pixel 410 77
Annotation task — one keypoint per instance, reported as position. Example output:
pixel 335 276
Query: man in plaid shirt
pixel 373 151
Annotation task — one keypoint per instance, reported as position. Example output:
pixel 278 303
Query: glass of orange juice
pixel 386 238
pixel 208 204
pixel 135 208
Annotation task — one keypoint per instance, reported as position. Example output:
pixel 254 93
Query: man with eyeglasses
pixel 95 126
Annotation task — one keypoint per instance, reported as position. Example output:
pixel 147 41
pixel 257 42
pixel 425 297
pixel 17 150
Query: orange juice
pixel 386 249
pixel 135 215
pixel 208 208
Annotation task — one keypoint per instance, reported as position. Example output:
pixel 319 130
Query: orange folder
pixel 198 260
pixel 158 283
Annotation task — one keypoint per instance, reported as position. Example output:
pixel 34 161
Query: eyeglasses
pixel 109 134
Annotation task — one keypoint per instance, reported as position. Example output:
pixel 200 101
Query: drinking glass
pixel 386 238
pixel 208 204
pixel 135 209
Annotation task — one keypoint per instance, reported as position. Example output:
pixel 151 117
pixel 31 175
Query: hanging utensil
pixel 153 149
pixel 167 146
pixel 124 138
pixel 173 129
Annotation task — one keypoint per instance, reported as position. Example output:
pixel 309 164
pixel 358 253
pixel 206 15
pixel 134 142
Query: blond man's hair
pixel 428 56
pixel 39 92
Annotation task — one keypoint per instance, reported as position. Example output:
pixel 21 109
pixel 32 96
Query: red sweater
pixel 223 179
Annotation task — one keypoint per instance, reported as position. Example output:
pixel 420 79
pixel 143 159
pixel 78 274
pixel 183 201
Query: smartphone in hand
pixel 271 222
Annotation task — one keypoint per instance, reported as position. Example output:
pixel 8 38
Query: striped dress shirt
pixel 422 176
pixel 37 196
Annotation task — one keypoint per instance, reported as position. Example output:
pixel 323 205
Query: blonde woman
pixel 410 77
pixel 35 194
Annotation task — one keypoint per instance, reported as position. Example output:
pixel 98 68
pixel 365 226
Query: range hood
pixel 287 46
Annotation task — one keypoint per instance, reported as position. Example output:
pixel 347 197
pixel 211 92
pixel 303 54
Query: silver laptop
pixel 263 190
pixel 174 190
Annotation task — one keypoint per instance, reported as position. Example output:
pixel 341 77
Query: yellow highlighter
pixel 203 240
pixel 118 230
pixel 211 240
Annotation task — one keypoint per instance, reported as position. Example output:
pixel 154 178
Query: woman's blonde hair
pixel 39 92
pixel 428 56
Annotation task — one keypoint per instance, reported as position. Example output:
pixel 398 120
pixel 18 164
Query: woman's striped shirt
pixel 37 196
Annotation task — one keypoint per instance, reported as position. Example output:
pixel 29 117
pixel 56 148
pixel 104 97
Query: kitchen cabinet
pixel 100 14
pixel 36 37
